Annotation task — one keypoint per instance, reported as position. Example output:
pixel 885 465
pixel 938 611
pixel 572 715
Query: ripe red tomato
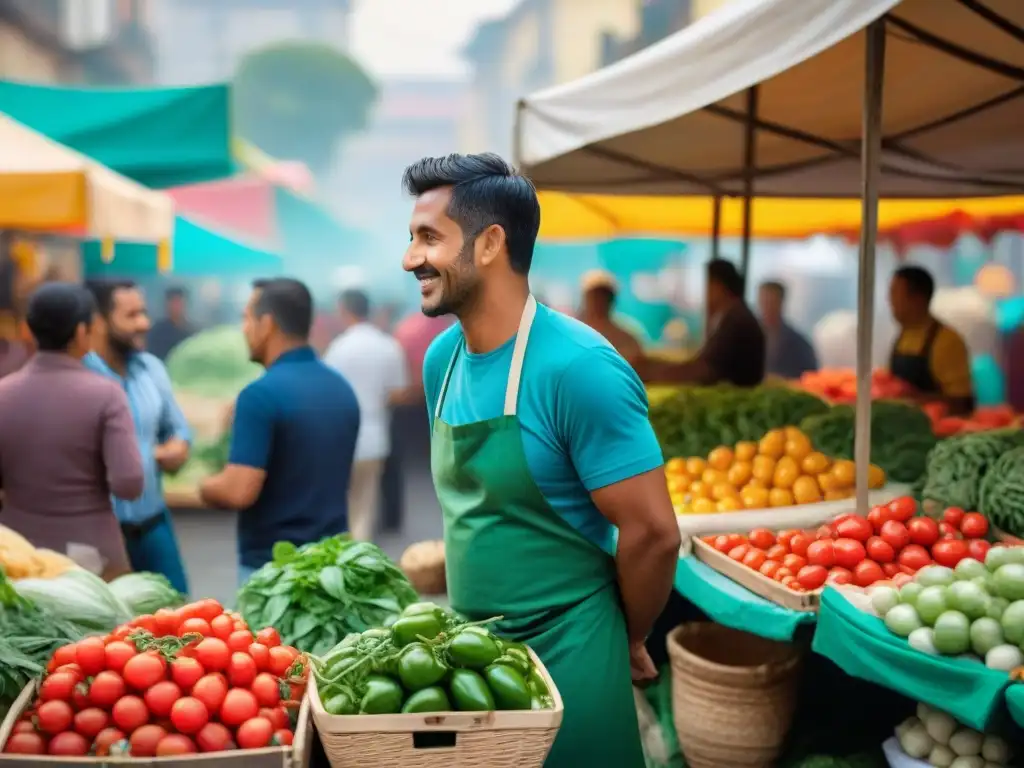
pixel 854 527
pixel 261 654
pixel 26 744
pixel 902 509
pixel 738 552
pixel 812 576
pixel 769 568
pixel 782 574
pixel 185 672
pixel 793 562
pixel 196 626
pixel 754 559
pixel 877 517
pixel 239 705
pixel 144 671
pixel 54 716
pixel 881 550
pixel 175 744
pixel 974 526
pixel 189 715
pixel 117 654
pixel 825 532
pixel 91 655
pixel 977 549
pixel 895 534
pixel 68 744
pixel 161 697
pixel 214 737
pixel 867 573
pixel 890 569
pixel 283 737
pixel 822 553
pixel 949 552
pixel 66 654
pixel 89 722
pixel 211 690
pixel 839 576
pixel 242 669
pixel 26 726
pixel 761 538
pixel 213 654
pixel 105 689
pixel 129 713
pixel 848 552
pixel 167 622
pixel 267 689
pixel 209 609
pixel 276 715
pixel 722 544
pixel 240 640
pixel 914 557
pixel 953 516
pixel 255 733
pixel 798 544
pixel 144 740
pixel 105 739
pixel 58 687
pixel 268 636
pixel 146 622
pixel 923 531
pixel 776 552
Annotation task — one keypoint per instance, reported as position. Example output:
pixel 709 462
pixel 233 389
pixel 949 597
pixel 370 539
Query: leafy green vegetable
pixel 317 594
pixel 958 465
pixel 79 597
pixel 146 592
pixel 214 362
pixel 1002 492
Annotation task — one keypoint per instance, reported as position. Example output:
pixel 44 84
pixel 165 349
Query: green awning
pixel 198 252
pixel 161 137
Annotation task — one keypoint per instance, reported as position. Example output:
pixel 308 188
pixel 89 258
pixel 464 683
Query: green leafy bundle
pixel 958 465
pixel 317 594
pixel 1002 492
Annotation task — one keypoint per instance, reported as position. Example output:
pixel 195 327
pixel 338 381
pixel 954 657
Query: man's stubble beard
pixel 459 285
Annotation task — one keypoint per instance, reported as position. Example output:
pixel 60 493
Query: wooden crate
pixel 295 756
pixel 756 582
pixel 504 739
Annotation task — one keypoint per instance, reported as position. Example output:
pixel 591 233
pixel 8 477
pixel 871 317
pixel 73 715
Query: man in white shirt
pixel 375 366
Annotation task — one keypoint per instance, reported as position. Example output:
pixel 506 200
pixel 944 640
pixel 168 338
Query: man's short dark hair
pixel 918 280
pixel 175 292
pixel 776 287
pixel 54 313
pixel 355 302
pixel 289 302
pixel 103 291
pixel 725 274
pixel 486 190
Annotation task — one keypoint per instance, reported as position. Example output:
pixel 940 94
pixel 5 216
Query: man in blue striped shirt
pixel 119 341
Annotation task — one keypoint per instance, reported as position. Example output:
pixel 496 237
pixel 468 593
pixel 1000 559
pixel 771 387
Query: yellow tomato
pixel 773 444
pixel 754 497
pixel 786 473
pixel 695 465
pixel 704 506
pixel 745 451
pixel 729 504
pixel 844 472
pixel 815 463
pixel 712 476
pixel 798 446
pixel 839 495
pixel 739 474
pixel 876 477
pixel 780 497
pixel 676 466
pixel 763 468
pixel 699 490
pixel 792 432
pixel 805 490
pixel 720 458
pixel 679 483
pixel 723 491
pixel 756 483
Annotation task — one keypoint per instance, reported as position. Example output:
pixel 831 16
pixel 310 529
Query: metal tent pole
pixel 749 161
pixel 716 227
pixel 871 150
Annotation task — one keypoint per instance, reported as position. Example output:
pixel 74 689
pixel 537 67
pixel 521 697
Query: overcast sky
pixel 403 38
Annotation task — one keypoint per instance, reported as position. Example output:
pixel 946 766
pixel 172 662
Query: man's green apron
pixel 510 554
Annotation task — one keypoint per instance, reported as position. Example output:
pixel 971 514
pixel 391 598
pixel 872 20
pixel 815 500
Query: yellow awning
pixel 567 216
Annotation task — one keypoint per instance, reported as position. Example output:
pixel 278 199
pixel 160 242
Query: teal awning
pixel 198 252
pixel 161 137
pixel 311 236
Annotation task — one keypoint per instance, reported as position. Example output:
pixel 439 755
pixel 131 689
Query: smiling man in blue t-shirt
pixel 293 436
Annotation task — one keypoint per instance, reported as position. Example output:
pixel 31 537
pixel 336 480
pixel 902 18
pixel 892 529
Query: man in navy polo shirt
pixel 293 437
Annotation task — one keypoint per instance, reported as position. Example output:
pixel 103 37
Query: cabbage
pixel 212 363
pixel 79 597
pixel 146 592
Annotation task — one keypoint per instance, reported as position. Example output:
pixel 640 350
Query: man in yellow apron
pixel 541 449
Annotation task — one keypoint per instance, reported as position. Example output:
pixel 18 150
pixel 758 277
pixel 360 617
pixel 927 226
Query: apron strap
pixel 447 378
pixel 515 371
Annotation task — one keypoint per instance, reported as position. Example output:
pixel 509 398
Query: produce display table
pixel 862 646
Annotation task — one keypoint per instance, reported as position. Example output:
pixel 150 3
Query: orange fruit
pixel 745 450
pixel 791 432
pixel 798 446
pixel 773 444
pixel 695 465
pixel 712 476
pixel 805 490
pixel 699 490
pixel 721 491
pixel 755 483
pixel 739 474
pixel 720 458
pixel 754 497
pixel 675 466
pixel 876 477
pixel 839 495
pixel 844 473
pixel 786 473
pixel 704 506
pixel 814 463
pixel 763 468
pixel 729 504
pixel 679 483
pixel 780 497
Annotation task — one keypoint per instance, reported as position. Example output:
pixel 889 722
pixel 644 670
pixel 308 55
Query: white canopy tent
pixel 801 98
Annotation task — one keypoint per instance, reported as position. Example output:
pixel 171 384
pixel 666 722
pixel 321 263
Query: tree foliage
pixel 296 100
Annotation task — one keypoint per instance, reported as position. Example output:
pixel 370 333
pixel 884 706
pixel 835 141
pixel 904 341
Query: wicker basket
pixel 515 739
pixel 733 695
pixel 423 564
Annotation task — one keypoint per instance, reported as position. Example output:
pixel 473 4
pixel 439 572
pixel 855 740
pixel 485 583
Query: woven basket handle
pixel 450 721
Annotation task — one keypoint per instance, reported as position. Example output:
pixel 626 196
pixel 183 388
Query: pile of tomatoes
pixel 892 542
pixel 178 682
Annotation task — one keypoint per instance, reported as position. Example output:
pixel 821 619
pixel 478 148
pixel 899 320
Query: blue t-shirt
pixel 582 411
pixel 299 423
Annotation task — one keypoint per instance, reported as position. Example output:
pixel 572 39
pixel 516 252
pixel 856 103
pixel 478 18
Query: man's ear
pixel 489 244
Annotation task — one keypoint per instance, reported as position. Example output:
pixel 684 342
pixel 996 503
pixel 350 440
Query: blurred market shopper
pixel 928 355
pixel 734 349
pixel 174 327
pixel 119 343
pixel 599 289
pixel 541 449
pixel 67 441
pixel 374 364
pixel 293 437
pixel 788 353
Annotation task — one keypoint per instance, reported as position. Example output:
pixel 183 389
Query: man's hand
pixel 172 455
pixel 640 664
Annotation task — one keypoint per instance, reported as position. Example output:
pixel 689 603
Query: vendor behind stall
pixel 928 355
pixel 599 290
pixel 734 352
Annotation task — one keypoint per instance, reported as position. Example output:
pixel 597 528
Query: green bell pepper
pixel 419 667
pixel 515 662
pixel 383 696
pixel 472 650
pixel 433 699
pixel 409 629
pixel 417 608
pixel 340 703
pixel 535 682
pixel 470 692
pixel 508 686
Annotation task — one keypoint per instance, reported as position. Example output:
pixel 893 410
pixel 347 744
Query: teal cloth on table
pixel 1015 702
pixel 161 137
pixel 727 603
pixel 862 646
pixel 989 381
pixel 197 252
